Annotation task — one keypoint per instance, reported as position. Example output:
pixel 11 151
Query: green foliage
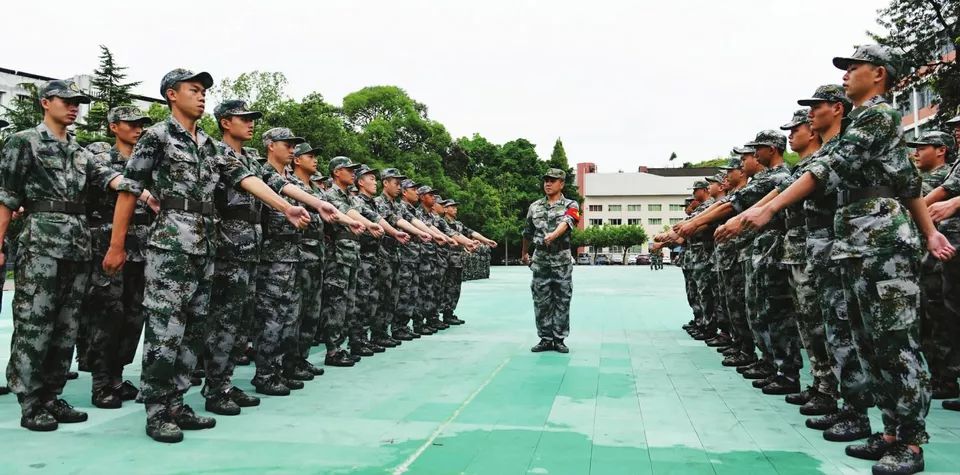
pixel 109 91
pixel 918 30
pixel 791 158
pixel 25 111
pixel 605 236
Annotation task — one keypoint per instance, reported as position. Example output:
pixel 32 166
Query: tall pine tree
pixel 25 111
pixel 109 91
pixel 558 159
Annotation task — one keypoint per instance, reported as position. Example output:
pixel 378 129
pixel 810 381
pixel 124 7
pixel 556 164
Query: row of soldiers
pixel 209 250
pixel 847 256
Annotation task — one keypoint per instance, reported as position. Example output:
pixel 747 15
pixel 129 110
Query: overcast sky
pixel 623 83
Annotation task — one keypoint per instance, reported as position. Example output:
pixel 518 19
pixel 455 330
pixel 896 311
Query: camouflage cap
pixel 180 75
pixel 770 138
pixel 363 170
pixel 689 200
pixel 555 173
pixel 735 163
pixel 252 152
pixel 353 189
pixel 3 123
pixel 954 121
pixel 127 114
pixel 339 162
pixel 800 116
pixel 426 190
pixel 304 148
pixel 235 107
pixel 392 173
pixel 935 138
pixel 280 134
pixel 718 178
pixel 328 182
pixel 64 89
pixel 97 148
pixel 744 150
pixel 875 54
pixel 450 202
pixel 827 93
pixel 317 177
pixel 700 184
pixel 408 183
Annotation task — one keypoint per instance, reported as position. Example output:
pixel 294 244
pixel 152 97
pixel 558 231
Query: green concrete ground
pixel 635 396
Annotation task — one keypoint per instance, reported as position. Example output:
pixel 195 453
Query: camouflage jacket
pixel 819 208
pixel 542 218
pixel 950 227
pixel 795 238
pixel 238 240
pixel 700 246
pixel 871 153
pixel 281 239
pixel 411 251
pixel 100 205
pixel 933 178
pixel 726 254
pixel 443 251
pixel 312 246
pixel 369 209
pixel 458 254
pixel 35 166
pixel 767 245
pixel 171 164
pixel 346 247
pixel 389 210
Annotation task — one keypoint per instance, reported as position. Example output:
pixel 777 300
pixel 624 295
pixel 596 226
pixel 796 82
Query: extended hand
pixel 375 230
pixel 402 237
pixel 298 216
pixel 940 247
pixel 756 218
pixel 328 212
pixel 941 211
pixel 549 238
pixel 424 237
pixel 525 259
pixel 356 227
pixel 114 260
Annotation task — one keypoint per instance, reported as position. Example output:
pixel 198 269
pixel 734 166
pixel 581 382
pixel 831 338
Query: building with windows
pixel 916 100
pixel 651 200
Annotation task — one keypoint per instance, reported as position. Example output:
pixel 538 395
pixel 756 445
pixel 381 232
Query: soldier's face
pixel 190 98
pixel 552 186
pixel 750 165
pixel 800 137
pixel 240 128
pixel 714 189
pixel 428 200
pixel 928 157
pixel 62 111
pixel 734 179
pixel 391 186
pixel 410 194
pixel 861 80
pixel 282 151
pixel 823 115
pixel 764 154
pixel 368 184
pixel 127 132
pixel 437 208
pixel 344 175
pixel 452 212
pixel 307 162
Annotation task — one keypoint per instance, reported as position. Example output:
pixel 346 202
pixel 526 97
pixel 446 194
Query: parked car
pixel 602 260
pixel 617 259
pixel 643 260
pixel 583 259
pixel 632 259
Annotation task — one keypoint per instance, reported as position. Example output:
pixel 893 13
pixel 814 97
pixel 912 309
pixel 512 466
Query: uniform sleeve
pixel 231 168
pixel 952 184
pixel 98 169
pixel 467 231
pixel 270 176
pixel 14 163
pixel 737 200
pixel 445 228
pixel 369 213
pixel 528 228
pixel 138 173
pixel 572 208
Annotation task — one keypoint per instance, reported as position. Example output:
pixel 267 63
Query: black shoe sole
pixel 221 412
pixel 818 412
pixel 170 440
pixel 779 391
pixel 845 438
pixel 918 469
pixel 49 428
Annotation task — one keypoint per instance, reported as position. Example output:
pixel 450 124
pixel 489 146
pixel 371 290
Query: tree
pixel 918 30
pixel 109 91
pixel 626 237
pixel 558 159
pixel 25 111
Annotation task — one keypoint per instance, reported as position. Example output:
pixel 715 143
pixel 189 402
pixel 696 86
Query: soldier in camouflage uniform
pixel 549 223
pixel 700 248
pixel 44 170
pixel 878 247
pixel 453 279
pixel 340 270
pixel 182 165
pixel 723 339
pixel 114 304
pixel 937 328
pixel 423 321
pixel 689 284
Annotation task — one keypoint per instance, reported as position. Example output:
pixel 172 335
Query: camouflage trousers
pixel 810 324
pixel 311 304
pixel 883 300
pixel 46 301
pixel 429 281
pixel 339 296
pixel 368 293
pixel 757 327
pixel 452 283
pixel 951 301
pixel 552 288
pixel 772 307
pixel 736 307
pixel 706 279
pixel 114 307
pixel 854 380
pixel 723 314
pixel 938 327
pixel 231 315
pixel 389 292
pixel 175 304
pixel 408 292
pixel 690 285
pixel 277 314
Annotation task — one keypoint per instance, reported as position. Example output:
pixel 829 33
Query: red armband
pixel 573 213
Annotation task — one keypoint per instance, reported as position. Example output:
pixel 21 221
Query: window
pixel 596 222
pixel 675 220
pixel 614 207
pixel 654 221
pixel 634 207
pixel 616 249
pixel 615 221
pixel 676 207
pixel 633 221
pixel 654 207
pixel 595 207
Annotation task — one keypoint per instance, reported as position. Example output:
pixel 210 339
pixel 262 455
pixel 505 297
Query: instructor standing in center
pixel 550 221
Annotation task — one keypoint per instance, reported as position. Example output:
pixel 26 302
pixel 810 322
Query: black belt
pixel 845 197
pixel 347 235
pixel 136 220
pixel 242 213
pixel 65 207
pixel 284 237
pixel 818 222
pixel 204 208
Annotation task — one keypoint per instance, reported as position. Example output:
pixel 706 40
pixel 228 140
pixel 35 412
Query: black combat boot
pixel 783 384
pixel 800 398
pixel 851 428
pixel 243 399
pixel 186 419
pixel 946 390
pixel 222 404
pixel 106 397
pixel 63 412
pixel 544 345
pixel 560 347
pixel 128 391
pixel 820 404
pixel 162 428
pixel 314 370
pixel 899 460
pixel 39 420
pixel 270 385
pixel 739 360
pixel 951 405
pixel 827 421
pixel 338 358
pixel 873 449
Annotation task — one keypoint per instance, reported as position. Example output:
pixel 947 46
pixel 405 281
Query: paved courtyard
pixel 634 396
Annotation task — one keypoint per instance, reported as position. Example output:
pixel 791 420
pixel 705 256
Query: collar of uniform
pixel 115 156
pixel 47 136
pixel 177 127
pixel 562 200
pixel 874 101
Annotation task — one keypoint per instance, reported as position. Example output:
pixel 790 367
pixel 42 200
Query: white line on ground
pixel 403 467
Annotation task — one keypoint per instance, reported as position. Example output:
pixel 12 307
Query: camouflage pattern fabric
pixel 552 266
pixel 429 275
pixel 231 317
pixel 408 277
pixel 477 265
pixel 736 307
pixel 313 250
pixel 339 274
pixel 701 247
pixel 390 250
pixel 372 264
pixel 453 278
pixel 937 327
